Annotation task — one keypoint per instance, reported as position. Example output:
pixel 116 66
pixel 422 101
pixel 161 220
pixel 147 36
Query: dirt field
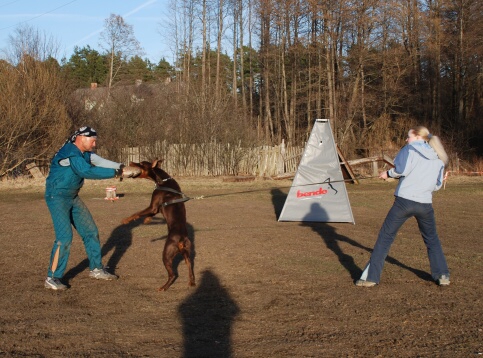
pixel 264 288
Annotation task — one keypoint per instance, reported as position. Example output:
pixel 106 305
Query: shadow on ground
pixel 332 240
pixel 119 242
pixel 207 317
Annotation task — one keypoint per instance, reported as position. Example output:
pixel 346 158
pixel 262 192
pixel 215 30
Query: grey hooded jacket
pixel 419 170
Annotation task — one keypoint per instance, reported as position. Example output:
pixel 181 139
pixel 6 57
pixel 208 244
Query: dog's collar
pixel 174 201
pixel 160 183
pixel 163 180
pixel 165 188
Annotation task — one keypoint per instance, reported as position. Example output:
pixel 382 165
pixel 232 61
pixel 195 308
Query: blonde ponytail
pixel 433 141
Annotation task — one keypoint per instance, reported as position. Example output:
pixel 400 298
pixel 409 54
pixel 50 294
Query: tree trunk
pixel 218 50
pixel 235 55
pixel 242 55
pixel 203 62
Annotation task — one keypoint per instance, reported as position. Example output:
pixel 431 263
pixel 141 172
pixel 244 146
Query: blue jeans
pixel 401 211
pixel 66 213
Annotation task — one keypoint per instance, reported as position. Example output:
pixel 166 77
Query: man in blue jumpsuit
pixel 73 163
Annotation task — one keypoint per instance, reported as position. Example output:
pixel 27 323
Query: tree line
pixel 259 71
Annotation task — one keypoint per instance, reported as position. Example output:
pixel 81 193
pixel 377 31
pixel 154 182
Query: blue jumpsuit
pixel 63 183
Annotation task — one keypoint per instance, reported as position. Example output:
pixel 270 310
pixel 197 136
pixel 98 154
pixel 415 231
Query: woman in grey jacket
pixel 419 166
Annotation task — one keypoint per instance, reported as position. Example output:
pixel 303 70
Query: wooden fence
pixel 212 159
pixel 215 159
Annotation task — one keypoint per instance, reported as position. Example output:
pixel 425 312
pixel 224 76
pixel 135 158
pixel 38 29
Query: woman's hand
pixel 383 175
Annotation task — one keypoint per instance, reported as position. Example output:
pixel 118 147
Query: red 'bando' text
pixel 301 194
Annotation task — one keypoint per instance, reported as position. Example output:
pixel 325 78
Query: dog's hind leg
pixel 169 253
pixel 185 248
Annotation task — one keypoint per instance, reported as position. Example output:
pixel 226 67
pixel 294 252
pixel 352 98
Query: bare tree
pixel 236 14
pixel 120 43
pixel 33 115
pixel 241 52
pixel 27 40
pixel 265 14
pixel 218 49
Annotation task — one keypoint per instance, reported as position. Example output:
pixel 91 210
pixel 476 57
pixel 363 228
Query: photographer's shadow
pixel 207 316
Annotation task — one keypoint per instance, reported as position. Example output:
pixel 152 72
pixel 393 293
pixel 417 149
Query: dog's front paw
pixel 125 221
pixel 148 220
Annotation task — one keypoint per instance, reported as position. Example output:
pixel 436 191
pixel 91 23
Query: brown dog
pixel 167 199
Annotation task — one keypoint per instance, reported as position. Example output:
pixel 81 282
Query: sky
pixel 79 23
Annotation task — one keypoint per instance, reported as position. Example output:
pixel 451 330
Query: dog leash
pixel 185 198
pixel 326 181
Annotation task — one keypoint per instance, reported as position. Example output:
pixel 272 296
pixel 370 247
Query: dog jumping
pixel 168 199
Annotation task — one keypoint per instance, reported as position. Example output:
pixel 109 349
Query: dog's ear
pixel 157 163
